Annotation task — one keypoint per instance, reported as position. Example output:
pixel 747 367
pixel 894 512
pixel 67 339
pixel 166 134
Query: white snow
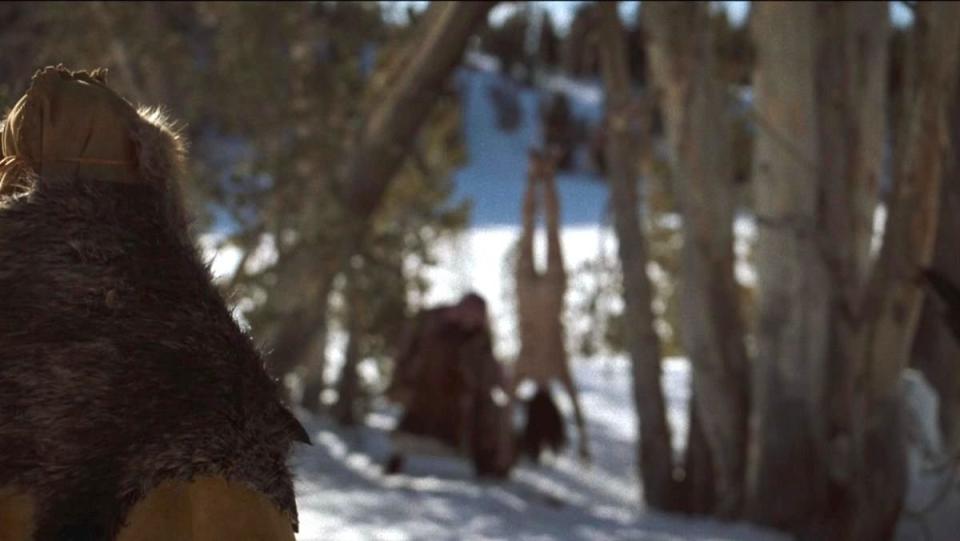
pixel 343 495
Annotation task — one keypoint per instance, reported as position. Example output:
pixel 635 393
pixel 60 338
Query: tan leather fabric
pixel 206 509
pixel 16 516
pixel 70 124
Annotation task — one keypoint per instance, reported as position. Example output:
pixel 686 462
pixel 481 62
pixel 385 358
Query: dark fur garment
pixel 544 428
pixel 120 365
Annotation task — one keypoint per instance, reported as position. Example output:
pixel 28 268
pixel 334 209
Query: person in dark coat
pixel 452 389
pixel 132 406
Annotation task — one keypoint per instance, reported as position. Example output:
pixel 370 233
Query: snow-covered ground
pixel 343 495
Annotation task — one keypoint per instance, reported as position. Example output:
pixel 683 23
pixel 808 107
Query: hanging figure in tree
pixel 452 390
pixel 543 354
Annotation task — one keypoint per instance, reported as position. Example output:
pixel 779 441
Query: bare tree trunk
pixel 295 342
pixel 699 131
pixel 893 297
pixel 314 362
pixel 852 57
pixel 787 469
pixel 391 126
pixel 832 345
pixel 699 483
pixel 348 386
pixel 655 455
pixel 936 348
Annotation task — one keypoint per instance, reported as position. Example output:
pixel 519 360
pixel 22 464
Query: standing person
pixel 543 354
pixel 452 389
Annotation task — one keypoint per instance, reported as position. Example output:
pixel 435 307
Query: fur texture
pixel 544 428
pixel 120 365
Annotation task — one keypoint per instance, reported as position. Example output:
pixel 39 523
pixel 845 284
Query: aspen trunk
pixel 827 457
pixel 655 455
pixel 787 470
pixel 699 131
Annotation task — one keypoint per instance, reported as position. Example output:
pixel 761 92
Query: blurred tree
pixel 655 456
pixel 698 124
pixel 548 50
pixel 507 43
pixel 579 50
pixel 834 332
pixel 936 347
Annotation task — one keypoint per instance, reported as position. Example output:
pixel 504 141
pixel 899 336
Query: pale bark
pixel 655 459
pixel 698 126
pixel 852 48
pixel 893 296
pixel 827 456
pixel 786 475
pixel 390 128
pixel 936 346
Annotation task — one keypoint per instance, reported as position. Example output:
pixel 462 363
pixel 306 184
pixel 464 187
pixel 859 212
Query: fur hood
pixel 120 365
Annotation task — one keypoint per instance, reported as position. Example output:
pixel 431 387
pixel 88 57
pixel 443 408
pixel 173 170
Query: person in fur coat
pixel 132 406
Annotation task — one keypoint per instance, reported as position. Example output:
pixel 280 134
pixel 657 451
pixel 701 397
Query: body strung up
pixel 540 303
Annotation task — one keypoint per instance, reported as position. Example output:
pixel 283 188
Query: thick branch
pixel 390 128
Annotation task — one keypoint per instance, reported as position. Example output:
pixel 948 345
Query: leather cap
pixel 70 123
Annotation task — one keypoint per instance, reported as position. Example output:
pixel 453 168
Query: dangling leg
pixel 584 444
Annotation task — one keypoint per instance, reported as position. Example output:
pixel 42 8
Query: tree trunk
pixel 787 469
pixel 314 364
pixel 348 386
pixel 698 126
pixel 832 345
pixel 297 342
pixel 936 348
pixel 655 455
pixel 390 128
pixel 699 482
pixel 893 297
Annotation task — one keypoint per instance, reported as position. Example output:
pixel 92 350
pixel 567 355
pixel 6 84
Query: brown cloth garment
pixel 543 354
pixel 131 403
pixel 447 380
